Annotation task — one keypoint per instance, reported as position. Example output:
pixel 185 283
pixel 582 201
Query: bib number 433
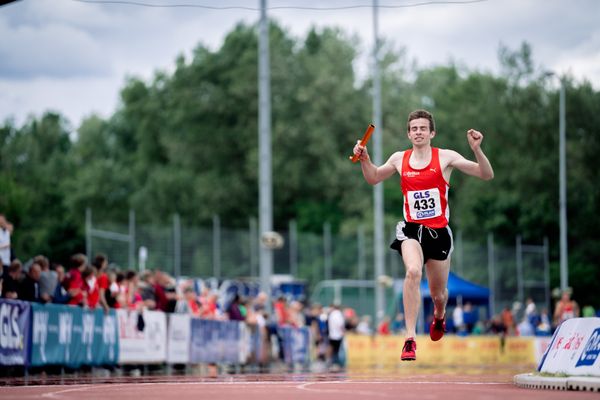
pixel 424 204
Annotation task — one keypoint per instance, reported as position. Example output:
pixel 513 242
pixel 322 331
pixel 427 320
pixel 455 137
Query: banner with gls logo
pixel 14 331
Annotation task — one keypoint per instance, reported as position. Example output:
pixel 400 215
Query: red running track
pixel 293 386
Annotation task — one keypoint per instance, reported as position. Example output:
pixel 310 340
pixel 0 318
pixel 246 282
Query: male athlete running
pixel 424 236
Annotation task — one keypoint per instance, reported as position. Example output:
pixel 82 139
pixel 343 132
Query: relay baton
pixel 363 141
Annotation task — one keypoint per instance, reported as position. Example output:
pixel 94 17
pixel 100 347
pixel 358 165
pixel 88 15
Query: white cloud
pixel 52 50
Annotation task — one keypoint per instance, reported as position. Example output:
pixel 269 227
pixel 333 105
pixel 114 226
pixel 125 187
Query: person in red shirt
pixel 281 311
pixel 384 326
pixel 75 288
pixel 101 265
pixel 133 298
pixel 209 307
pixel 90 287
pixel 424 236
pixel 565 308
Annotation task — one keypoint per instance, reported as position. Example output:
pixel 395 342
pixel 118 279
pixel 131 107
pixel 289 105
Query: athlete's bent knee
pixel 439 297
pixel 413 273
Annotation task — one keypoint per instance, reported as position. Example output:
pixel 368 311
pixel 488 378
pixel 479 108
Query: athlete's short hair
pixel 421 114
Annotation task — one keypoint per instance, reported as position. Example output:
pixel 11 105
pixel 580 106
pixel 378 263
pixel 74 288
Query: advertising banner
pixel 574 349
pixel 384 351
pixel 215 341
pixel 72 336
pixel 179 336
pixel 142 338
pixel 296 344
pixel 15 320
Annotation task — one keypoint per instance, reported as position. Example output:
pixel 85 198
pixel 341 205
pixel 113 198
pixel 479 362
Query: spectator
pixel 111 294
pixel 281 313
pixel 77 295
pixel 148 290
pixel 470 317
pixel 458 319
pixel 336 328
pixel 48 279
pixel 260 301
pixel 90 287
pixel 544 327
pixel 296 314
pixel 5 233
pixel 101 265
pixel 588 311
pixel 209 305
pixel 398 324
pixel 530 308
pixel 29 289
pixel 317 330
pixel 164 291
pixel 133 298
pixel 60 295
pixel 12 280
pixel 189 304
pixel 478 328
pixel 497 327
pixel 384 326
pixel 351 319
pixel 525 328
pixel 122 284
pixel 233 311
pixel 508 321
pixel 565 308
pixel 364 326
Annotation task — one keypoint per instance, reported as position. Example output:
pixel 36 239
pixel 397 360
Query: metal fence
pixel 513 273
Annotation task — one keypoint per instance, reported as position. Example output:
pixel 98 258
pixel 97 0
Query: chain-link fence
pixel 512 273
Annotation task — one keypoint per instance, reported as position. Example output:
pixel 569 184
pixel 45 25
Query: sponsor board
pixel 72 336
pixel 574 349
pixel 178 341
pixel 384 351
pixel 215 341
pixel 15 318
pixel 142 341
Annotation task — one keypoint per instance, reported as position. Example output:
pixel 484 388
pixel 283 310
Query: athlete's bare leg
pixel 437 278
pixel 412 255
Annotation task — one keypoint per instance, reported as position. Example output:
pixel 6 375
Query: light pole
pixel 378 189
pixel 562 183
pixel 265 194
pixel 564 261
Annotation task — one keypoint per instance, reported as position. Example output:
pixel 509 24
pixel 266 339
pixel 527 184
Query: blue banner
pixel 296 344
pixel 72 336
pixel 215 341
pixel 15 320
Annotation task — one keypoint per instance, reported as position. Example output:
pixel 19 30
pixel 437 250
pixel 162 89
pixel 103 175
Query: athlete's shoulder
pixel 449 155
pixel 396 157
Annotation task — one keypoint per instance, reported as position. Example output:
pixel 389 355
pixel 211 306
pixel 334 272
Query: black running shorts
pixel 437 244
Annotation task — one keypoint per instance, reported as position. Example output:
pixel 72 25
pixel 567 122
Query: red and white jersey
pixel 425 192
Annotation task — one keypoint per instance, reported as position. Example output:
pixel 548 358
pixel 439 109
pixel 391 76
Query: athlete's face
pixel 419 132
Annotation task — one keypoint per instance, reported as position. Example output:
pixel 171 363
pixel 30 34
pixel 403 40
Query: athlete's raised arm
pixel 482 168
pixel 372 173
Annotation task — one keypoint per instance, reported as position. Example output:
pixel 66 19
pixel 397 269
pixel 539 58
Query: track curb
pixel 579 383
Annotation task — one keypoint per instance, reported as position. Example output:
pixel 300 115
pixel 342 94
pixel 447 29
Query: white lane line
pixel 305 386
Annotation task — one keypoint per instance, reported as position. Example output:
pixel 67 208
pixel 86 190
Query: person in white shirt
pixel 337 328
pixel 458 319
pixel 4 243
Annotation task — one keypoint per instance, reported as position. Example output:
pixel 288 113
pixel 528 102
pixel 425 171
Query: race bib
pixel 424 204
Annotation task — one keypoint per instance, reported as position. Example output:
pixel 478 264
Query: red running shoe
pixel 409 350
pixel 437 328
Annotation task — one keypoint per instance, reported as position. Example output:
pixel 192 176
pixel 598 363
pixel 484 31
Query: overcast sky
pixel 73 57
